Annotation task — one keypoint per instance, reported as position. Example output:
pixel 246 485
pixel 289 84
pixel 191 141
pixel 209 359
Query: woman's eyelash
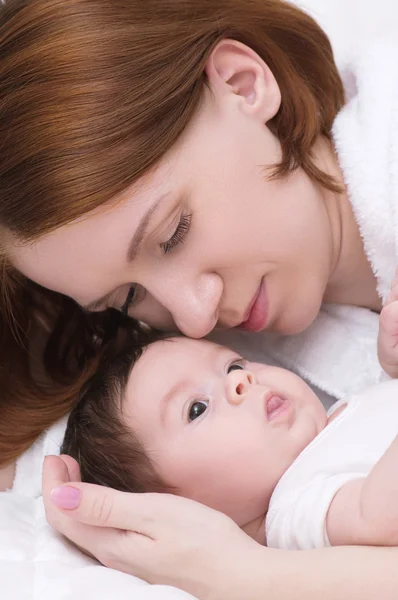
pixel 179 235
pixel 177 238
pixel 129 299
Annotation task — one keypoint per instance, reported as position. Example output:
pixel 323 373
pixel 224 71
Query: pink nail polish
pixel 65 496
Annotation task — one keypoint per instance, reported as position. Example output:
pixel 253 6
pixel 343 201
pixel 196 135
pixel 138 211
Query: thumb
pixel 55 472
pixel 106 507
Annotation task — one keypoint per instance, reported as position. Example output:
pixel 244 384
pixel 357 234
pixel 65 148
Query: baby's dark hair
pixel 107 449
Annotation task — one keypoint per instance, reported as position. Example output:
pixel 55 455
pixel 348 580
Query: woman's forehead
pixel 82 257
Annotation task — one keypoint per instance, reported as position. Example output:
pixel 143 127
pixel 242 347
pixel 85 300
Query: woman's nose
pixel 194 305
pixel 238 385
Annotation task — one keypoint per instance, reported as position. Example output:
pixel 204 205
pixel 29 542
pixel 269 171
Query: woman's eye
pixel 129 300
pixel 235 366
pixel 196 409
pixel 179 235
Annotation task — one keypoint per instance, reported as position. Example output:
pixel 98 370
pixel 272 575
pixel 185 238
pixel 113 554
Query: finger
pixel 146 514
pixel 105 507
pixel 55 473
pixel 72 466
pixel 115 548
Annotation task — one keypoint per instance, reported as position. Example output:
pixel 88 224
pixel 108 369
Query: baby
pixel 196 419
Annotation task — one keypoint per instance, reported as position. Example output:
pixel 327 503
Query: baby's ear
pixel 235 69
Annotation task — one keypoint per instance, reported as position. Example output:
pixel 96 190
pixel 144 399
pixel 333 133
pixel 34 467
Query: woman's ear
pixel 233 68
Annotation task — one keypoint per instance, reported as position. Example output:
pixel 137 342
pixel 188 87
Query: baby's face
pixel 220 429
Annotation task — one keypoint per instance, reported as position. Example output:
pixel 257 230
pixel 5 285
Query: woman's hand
pixel 158 537
pixel 171 540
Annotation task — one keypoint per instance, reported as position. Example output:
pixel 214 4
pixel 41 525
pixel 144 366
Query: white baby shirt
pixel 346 449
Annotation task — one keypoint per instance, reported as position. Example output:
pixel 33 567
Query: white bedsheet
pixel 36 563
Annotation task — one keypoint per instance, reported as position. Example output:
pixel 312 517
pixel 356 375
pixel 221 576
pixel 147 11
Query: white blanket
pixel 36 563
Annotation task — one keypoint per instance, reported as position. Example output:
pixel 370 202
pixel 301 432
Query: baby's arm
pixel 387 342
pixel 365 511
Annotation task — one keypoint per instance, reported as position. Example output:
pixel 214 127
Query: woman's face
pixel 206 238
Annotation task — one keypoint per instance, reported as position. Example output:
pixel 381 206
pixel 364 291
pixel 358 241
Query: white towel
pixel 366 139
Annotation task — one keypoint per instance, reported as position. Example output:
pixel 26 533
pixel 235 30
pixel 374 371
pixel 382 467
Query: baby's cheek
pixel 191 469
pixel 272 376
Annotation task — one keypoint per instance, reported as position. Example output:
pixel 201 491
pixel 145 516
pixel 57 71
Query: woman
pixel 174 162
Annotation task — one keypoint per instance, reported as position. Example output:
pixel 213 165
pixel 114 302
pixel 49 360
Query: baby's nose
pixel 238 385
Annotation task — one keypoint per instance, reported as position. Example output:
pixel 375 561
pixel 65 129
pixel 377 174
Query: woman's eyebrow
pixel 133 249
pixel 135 244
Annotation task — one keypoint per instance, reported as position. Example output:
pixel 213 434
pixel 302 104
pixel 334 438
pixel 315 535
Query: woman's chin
pixel 296 319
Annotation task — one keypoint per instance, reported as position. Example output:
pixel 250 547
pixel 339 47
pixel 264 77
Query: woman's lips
pixel 258 311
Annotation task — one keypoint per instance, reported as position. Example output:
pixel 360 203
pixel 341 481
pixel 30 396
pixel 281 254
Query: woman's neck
pixel 351 279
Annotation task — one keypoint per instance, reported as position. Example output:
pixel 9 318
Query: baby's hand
pixel 387 343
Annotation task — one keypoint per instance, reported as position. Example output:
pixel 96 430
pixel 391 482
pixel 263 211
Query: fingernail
pixel 65 496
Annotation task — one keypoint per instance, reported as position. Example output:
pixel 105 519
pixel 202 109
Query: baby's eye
pixel 235 366
pixel 196 409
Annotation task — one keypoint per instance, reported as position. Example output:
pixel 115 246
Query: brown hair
pixel 92 94
pixel 108 451
pixel 30 400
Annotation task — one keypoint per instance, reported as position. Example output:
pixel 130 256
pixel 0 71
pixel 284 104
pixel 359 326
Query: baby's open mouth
pixel 275 405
